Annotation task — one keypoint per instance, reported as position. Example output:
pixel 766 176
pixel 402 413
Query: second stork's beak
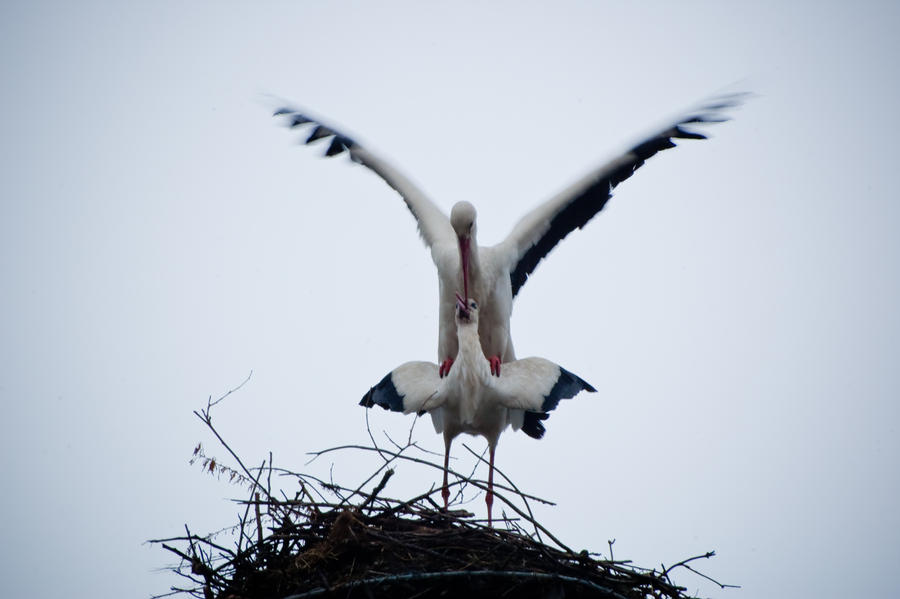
pixel 461 305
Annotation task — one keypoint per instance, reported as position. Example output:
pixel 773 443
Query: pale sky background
pixel 735 304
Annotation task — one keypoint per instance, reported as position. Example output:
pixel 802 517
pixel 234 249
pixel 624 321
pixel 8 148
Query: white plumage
pixel 469 399
pixel 494 274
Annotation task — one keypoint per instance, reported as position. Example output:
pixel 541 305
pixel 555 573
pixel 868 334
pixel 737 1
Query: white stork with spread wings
pixel 495 274
pixel 469 400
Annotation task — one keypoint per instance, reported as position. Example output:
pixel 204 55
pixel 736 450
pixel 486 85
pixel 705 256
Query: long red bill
pixel 464 258
pixel 461 303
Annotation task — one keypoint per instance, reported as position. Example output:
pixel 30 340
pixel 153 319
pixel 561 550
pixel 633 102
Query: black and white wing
pixel 411 387
pixel 434 225
pixel 536 386
pixel 539 231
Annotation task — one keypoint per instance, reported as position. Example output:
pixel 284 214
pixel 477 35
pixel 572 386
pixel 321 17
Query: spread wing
pixel 536 386
pixel 539 231
pixel 411 387
pixel 434 225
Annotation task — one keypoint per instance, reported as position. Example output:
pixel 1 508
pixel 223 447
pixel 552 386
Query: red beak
pixel 461 304
pixel 464 258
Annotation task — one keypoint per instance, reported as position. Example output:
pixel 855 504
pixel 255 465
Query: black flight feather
pixel 592 200
pixel 319 132
pixel 568 385
pixel 385 395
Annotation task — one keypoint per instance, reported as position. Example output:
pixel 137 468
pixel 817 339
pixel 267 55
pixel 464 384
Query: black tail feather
pixel 532 426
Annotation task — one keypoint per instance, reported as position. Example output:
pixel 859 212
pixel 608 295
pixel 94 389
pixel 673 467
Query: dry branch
pixel 367 544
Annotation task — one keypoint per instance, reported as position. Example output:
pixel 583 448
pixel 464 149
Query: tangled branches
pixel 330 540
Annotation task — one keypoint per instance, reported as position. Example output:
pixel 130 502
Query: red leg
pixel 489 498
pixel 495 365
pixel 445 367
pixel 445 490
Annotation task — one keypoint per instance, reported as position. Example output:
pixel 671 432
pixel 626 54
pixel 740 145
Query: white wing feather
pixel 418 384
pixel 523 384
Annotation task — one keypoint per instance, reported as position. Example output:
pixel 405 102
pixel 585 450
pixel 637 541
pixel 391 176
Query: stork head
pixel 466 311
pixel 462 219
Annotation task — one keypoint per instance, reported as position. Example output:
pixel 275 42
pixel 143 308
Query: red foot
pixel 445 493
pixel 495 365
pixel 444 370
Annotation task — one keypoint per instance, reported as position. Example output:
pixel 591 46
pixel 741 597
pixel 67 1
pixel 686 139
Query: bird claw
pixel 495 365
pixel 444 370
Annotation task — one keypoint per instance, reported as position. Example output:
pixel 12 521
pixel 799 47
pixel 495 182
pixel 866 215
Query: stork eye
pixel 473 305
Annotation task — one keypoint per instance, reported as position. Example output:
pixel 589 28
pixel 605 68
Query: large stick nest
pixel 333 541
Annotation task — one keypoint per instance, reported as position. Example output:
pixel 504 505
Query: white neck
pixel 470 352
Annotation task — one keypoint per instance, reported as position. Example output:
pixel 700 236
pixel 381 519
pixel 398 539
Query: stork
pixel 495 274
pixel 468 399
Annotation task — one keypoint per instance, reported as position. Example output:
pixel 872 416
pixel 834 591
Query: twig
pixel 515 488
pixel 387 475
pixel 259 532
pixel 255 480
pixel 306 539
pixel 210 404
pixel 204 415
pixel 684 564
pixel 465 480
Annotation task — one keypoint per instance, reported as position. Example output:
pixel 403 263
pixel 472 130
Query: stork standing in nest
pixel 469 399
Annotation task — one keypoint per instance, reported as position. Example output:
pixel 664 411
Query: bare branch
pixel 316 538
pixel 210 403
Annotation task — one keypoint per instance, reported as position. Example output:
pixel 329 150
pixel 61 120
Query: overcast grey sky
pixel 735 304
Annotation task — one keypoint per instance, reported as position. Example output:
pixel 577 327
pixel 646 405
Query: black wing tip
pixel 339 143
pixel 299 119
pixel 593 199
pixel 711 110
pixel 567 385
pixel 726 102
pixel 319 131
pixel 384 394
pixel 293 117
pixel 702 119
pixel 578 381
pixel 682 133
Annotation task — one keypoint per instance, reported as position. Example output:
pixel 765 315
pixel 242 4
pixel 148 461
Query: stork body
pixel 481 272
pixel 469 399
pixel 495 274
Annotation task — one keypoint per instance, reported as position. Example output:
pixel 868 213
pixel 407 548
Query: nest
pixel 333 541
